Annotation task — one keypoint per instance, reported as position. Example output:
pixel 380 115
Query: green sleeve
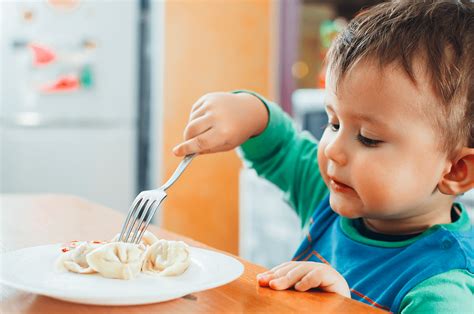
pixel 288 159
pixel 450 292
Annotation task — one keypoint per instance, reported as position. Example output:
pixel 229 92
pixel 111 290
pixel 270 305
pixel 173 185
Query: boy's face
pixel 379 155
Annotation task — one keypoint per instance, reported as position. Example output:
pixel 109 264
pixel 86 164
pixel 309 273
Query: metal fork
pixel 145 205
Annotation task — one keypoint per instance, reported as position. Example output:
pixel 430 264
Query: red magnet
pixel 41 54
pixel 65 83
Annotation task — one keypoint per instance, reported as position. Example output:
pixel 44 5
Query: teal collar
pixel 461 224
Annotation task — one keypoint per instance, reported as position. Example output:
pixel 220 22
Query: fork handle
pixel 182 165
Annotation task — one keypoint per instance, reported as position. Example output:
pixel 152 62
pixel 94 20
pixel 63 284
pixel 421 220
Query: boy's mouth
pixel 339 186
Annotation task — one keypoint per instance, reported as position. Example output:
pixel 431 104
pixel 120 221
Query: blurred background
pixel 95 94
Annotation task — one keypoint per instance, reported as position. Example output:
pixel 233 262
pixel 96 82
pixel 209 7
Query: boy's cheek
pixel 322 162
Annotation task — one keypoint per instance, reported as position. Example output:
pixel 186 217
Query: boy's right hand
pixel 222 121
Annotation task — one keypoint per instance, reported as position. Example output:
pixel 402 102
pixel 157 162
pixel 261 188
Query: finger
pixel 279 281
pixel 265 277
pixel 312 279
pixel 290 278
pixel 202 144
pixel 278 267
pixel 277 271
pixel 274 269
pixel 264 280
pixel 198 103
pixel 325 278
pixel 198 112
pixel 285 268
pixel 197 127
pixel 334 282
pixel 268 272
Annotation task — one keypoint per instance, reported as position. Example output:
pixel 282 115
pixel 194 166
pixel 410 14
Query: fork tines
pixel 142 210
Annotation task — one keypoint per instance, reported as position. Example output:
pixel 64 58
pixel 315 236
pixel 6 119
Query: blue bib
pixel 382 276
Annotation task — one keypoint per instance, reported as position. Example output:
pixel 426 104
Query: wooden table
pixel 30 220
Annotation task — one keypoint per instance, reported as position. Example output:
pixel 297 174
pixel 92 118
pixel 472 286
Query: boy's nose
pixel 335 151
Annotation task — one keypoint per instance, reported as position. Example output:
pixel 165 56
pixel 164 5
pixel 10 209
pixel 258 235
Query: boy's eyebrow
pixel 363 117
pixel 328 106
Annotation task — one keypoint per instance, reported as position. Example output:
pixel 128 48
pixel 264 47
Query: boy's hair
pixel 441 33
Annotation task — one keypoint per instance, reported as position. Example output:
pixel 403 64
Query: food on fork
pixel 120 260
pixel 167 258
pixel 147 239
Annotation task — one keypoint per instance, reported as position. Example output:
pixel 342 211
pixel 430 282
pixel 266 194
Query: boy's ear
pixel 460 177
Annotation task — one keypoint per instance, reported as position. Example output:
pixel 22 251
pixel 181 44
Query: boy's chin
pixel 345 208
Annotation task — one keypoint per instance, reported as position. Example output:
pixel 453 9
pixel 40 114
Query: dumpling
pixel 125 260
pixel 167 258
pixel 117 260
pixel 147 239
pixel 75 258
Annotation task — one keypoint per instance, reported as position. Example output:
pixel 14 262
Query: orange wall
pixel 210 45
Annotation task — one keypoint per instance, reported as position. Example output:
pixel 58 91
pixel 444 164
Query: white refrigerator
pixel 68 99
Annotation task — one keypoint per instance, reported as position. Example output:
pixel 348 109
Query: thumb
pixel 179 150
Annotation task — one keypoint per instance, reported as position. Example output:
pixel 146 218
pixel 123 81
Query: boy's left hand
pixel 304 276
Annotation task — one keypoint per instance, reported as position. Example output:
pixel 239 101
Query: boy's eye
pixel 368 141
pixel 333 126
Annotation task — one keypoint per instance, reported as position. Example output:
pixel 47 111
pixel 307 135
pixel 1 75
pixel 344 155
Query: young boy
pixel 376 194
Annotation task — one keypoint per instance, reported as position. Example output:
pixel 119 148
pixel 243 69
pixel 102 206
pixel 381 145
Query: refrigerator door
pixel 68 98
pixel 96 163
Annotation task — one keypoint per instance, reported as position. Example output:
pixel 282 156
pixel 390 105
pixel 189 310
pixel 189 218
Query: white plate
pixel 32 270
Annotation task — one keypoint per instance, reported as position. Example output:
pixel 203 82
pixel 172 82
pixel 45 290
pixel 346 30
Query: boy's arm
pixel 288 159
pixel 450 292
